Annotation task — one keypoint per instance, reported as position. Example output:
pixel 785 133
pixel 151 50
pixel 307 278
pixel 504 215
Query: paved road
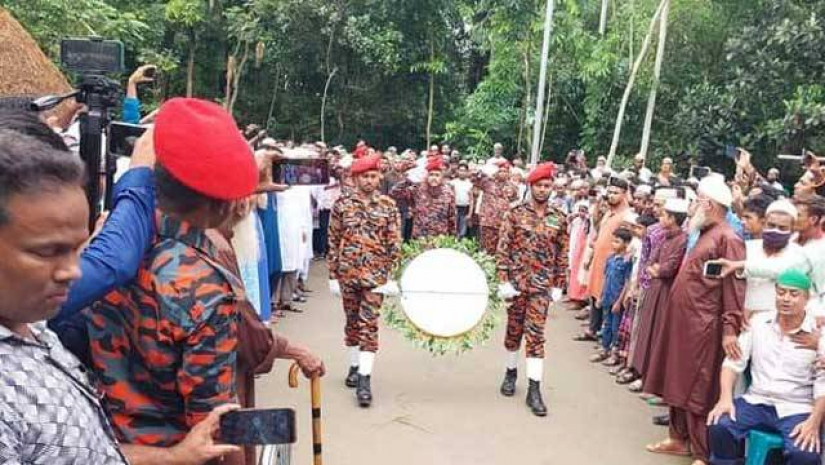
pixel 448 411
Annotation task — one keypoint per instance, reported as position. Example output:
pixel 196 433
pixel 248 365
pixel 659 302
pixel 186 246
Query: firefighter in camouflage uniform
pixel 532 265
pixel 364 246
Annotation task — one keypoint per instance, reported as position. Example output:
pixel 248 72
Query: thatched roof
pixel 24 69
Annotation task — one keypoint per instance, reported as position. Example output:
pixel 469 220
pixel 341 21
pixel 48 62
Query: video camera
pixel 91 58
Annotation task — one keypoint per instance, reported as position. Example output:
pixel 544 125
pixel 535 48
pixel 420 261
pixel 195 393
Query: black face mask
pixel 775 240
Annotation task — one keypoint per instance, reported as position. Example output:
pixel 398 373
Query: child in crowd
pixel 616 273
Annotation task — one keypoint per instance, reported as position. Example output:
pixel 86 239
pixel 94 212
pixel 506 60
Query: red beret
pixel 435 164
pixel 198 142
pixel 543 171
pixel 360 151
pixel 368 163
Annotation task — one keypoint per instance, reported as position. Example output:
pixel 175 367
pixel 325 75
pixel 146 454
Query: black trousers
pixel 596 317
pixel 320 236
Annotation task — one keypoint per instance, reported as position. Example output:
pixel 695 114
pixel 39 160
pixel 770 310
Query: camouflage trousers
pixel 362 309
pixel 526 317
pixel 489 239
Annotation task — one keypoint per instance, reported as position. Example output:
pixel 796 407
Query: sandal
pixel 585 336
pixel 669 447
pixel 635 386
pixel 646 396
pixel 290 308
pixel 616 370
pixel 655 402
pixel 598 357
pixel 626 377
pixel 611 361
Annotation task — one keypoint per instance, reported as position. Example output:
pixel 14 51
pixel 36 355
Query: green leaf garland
pixel 395 318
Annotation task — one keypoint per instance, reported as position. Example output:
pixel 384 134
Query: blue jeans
pixel 727 438
pixel 610 330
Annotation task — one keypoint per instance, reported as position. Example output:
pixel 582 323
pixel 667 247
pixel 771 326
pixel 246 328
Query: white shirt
pixel 760 293
pixel 462 188
pixel 784 375
pixel 809 259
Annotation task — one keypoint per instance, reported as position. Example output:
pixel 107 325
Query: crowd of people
pixel 702 294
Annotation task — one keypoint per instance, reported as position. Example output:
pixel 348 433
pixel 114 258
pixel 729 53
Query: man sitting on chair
pixel 787 396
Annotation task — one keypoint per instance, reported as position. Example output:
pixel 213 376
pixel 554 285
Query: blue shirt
pixel 131 110
pixel 113 257
pixel 616 273
pixel 732 220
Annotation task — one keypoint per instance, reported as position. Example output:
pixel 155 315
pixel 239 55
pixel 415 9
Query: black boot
pixel 364 393
pixel 352 377
pixel 534 400
pixel 508 386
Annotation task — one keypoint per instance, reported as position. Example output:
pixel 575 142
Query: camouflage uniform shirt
pixel 164 347
pixel 433 208
pixel 494 201
pixel 532 249
pixel 364 240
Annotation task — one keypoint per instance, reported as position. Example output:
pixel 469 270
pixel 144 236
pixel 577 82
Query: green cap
pixel 794 279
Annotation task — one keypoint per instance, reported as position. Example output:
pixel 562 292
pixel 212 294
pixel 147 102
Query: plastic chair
pixel 760 445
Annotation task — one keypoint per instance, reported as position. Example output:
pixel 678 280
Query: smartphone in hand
pixel 301 171
pixel 258 427
pixel 712 270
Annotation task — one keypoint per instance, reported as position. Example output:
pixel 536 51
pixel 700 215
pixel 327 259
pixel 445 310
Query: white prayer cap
pixel 782 206
pixel 665 193
pixel 346 161
pixel 639 156
pixel 577 184
pixel 714 188
pixel 677 205
pixel 559 182
pixel 644 189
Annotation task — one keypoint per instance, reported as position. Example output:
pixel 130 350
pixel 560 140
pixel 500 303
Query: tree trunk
pixel 546 113
pixel 274 96
pixel 631 45
pixel 237 81
pixel 526 108
pixel 432 95
pixel 623 106
pixel 657 72
pixel 603 18
pixel 190 64
pixel 324 101
pixel 330 74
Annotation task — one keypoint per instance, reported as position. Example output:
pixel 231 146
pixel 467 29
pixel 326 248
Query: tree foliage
pixel 735 71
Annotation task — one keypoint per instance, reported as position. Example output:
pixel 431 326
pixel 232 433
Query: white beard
pixel 245 240
pixel 697 221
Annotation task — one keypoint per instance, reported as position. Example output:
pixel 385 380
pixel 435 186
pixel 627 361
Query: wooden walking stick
pixel 315 386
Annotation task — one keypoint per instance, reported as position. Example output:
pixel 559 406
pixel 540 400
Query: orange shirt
pixel 601 250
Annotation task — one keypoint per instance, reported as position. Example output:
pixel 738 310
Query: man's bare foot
pixel 670 447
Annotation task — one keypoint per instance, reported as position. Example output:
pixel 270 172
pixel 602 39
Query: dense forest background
pixel 405 72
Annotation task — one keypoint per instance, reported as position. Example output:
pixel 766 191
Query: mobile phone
pixel 89 55
pixel 258 426
pixel 122 137
pixel 732 152
pixel 713 270
pixel 301 171
pixel 699 172
pixel 150 72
